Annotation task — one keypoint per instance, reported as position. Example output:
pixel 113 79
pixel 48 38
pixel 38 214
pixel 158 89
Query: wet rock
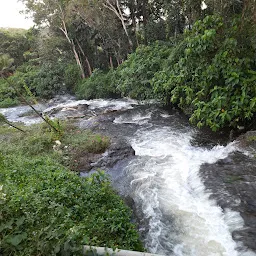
pixel 118 150
pixel 232 183
pixel 82 107
pixel 85 161
pixel 248 140
pixel 96 122
pixel 73 112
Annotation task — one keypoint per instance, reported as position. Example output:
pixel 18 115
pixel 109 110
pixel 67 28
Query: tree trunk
pixel 111 62
pixel 78 62
pixel 118 12
pixel 133 17
pixel 86 59
pixel 71 42
pixel 145 19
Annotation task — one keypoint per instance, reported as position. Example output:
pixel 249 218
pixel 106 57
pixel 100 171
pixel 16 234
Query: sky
pixel 10 16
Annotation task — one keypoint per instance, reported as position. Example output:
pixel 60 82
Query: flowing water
pixel 169 194
pixel 176 216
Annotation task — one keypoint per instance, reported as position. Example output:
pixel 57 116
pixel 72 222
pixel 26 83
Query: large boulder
pixel 119 150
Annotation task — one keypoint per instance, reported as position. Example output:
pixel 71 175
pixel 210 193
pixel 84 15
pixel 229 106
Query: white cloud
pixel 10 16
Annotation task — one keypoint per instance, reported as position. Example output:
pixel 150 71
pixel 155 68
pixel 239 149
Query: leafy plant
pixel 99 85
pixel 134 75
pixel 48 210
pixel 213 80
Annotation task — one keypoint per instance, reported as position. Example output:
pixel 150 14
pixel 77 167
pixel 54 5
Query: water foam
pixel 167 186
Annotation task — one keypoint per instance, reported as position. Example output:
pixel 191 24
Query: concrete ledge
pixel 99 251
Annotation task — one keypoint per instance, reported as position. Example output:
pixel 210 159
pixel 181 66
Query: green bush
pixel 48 210
pixel 214 78
pixel 56 78
pixel 8 102
pixel 72 76
pixel 27 77
pixel 8 97
pixel 44 81
pixel 49 80
pixel 135 74
pixel 99 85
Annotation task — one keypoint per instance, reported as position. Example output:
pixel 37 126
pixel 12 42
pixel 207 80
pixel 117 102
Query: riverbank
pixel 47 209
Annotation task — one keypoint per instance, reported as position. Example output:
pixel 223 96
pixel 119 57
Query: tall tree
pixel 54 13
pixel 106 37
pixel 14 42
pixel 117 8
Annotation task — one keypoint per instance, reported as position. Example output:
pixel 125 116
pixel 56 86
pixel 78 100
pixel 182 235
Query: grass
pixel 48 210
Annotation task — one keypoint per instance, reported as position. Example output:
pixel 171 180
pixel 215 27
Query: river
pixel 175 213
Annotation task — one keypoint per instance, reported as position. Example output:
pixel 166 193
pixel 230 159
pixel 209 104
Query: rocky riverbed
pixel 191 197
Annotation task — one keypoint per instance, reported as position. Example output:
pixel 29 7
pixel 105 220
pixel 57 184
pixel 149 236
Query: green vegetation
pixel 47 209
pixel 209 73
pixel 134 76
pixel 201 60
pixel 99 85
pixel 214 78
pixel 44 82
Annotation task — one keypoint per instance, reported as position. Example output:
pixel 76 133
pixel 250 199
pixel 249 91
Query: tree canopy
pixel 145 48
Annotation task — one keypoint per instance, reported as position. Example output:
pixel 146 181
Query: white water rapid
pixel 166 186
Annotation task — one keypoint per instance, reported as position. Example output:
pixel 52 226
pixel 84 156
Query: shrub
pixel 8 102
pixel 135 74
pixel 48 210
pixel 72 76
pixel 45 81
pixel 49 80
pixel 8 97
pixel 214 78
pixel 99 85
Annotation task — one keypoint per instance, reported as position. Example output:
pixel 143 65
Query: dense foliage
pixel 210 73
pixel 48 210
pixel 45 81
pixel 99 85
pixel 204 63
pixel 214 78
pixel 133 77
pixel 14 43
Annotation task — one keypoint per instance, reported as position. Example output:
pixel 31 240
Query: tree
pixel 14 42
pixel 116 7
pixel 54 13
pixel 105 41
